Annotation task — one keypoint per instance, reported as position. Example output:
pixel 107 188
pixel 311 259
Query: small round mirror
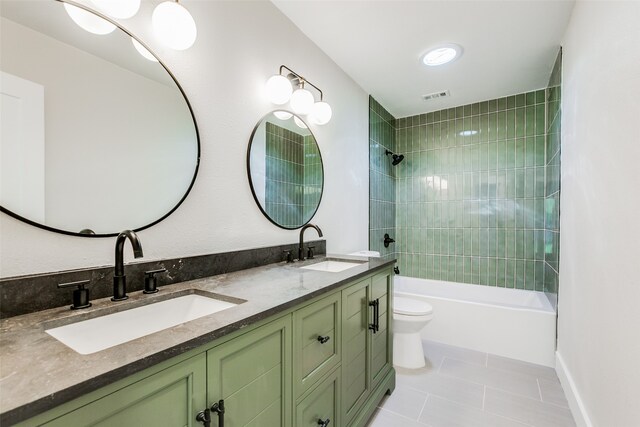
pixel 285 169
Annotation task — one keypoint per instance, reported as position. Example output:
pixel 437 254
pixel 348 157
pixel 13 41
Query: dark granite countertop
pixel 38 373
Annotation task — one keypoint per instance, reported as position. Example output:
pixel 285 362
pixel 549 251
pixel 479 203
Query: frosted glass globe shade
pixel 299 122
pixel 88 21
pixel 302 101
pixel 282 115
pixel 121 9
pixel 174 25
pixel 279 89
pixel 143 51
pixel 321 113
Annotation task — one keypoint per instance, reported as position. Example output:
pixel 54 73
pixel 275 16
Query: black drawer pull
pixel 323 339
pixel 324 423
pixel 375 326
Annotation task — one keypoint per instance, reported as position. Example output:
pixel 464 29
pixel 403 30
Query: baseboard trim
pixel 576 404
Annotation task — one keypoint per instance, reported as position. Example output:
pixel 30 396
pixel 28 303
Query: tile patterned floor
pixel 466 388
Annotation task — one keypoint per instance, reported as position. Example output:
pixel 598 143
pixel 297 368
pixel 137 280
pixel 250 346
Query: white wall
pixel 599 293
pixel 240 44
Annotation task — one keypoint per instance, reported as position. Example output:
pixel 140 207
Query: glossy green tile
pixel 511 124
pixel 501 272
pixel 540 119
pixel 501 125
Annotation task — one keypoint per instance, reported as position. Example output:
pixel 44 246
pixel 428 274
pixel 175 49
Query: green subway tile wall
pixel 382 188
pixel 284 175
pixel 552 189
pixel 313 177
pixel 470 195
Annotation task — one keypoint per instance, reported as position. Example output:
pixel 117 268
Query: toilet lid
pixel 411 307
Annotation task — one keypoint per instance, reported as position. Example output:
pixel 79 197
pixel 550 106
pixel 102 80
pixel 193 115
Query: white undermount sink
pixel 92 335
pixel 332 266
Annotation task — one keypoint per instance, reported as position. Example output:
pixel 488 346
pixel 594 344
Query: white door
pixel 22 147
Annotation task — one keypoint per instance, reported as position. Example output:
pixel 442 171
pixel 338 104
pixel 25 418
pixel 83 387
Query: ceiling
pixel 508 46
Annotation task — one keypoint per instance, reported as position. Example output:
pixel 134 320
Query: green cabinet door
pixel 355 336
pixel 321 406
pixel 316 341
pixel 252 374
pixel 169 398
pixel 381 341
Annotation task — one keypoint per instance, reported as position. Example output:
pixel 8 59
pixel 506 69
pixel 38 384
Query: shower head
pixel 396 158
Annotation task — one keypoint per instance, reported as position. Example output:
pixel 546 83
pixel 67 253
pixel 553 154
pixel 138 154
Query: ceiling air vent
pixel 436 95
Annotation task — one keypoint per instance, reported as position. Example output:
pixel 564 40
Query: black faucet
pixel 301 247
pixel 119 279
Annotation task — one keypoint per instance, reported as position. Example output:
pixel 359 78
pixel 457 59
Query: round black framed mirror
pixel 102 137
pixel 285 169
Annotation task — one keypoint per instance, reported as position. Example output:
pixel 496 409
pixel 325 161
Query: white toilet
pixel 410 316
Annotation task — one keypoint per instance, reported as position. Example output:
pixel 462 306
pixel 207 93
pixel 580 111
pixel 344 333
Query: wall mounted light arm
pixel 302 80
pixel 280 90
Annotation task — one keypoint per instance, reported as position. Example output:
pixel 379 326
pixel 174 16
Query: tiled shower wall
pixel 552 191
pixel 284 175
pixel 312 177
pixel 293 176
pixel 382 189
pixel 470 194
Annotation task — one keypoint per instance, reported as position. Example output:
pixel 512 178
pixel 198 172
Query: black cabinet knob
pixel 323 423
pixel 323 339
pixel 204 417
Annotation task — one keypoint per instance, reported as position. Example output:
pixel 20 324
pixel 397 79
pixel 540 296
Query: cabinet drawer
pixel 322 404
pixel 316 343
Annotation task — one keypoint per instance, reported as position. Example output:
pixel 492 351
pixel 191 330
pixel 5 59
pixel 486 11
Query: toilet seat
pixel 411 307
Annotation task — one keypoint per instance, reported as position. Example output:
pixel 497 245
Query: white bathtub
pixel 512 323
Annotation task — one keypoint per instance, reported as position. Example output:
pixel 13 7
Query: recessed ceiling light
pixel 442 54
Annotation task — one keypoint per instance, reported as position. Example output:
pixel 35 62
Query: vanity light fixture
pixel 174 25
pixel 279 90
pixel 442 54
pixel 321 113
pixel 143 50
pixel 88 21
pixel 302 100
pixel 282 115
pixel 121 9
pixel 299 123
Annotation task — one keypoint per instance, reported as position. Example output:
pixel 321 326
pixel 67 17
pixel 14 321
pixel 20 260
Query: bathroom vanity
pixel 302 347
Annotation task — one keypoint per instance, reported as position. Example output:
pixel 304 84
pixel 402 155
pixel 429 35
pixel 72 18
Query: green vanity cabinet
pixel 355 336
pixel 382 340
pixel 366 343
pixel 252 373
pixel 171 397
pixel 326 359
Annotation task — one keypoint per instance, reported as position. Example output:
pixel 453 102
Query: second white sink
pixel 332 266
pixel 100 333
